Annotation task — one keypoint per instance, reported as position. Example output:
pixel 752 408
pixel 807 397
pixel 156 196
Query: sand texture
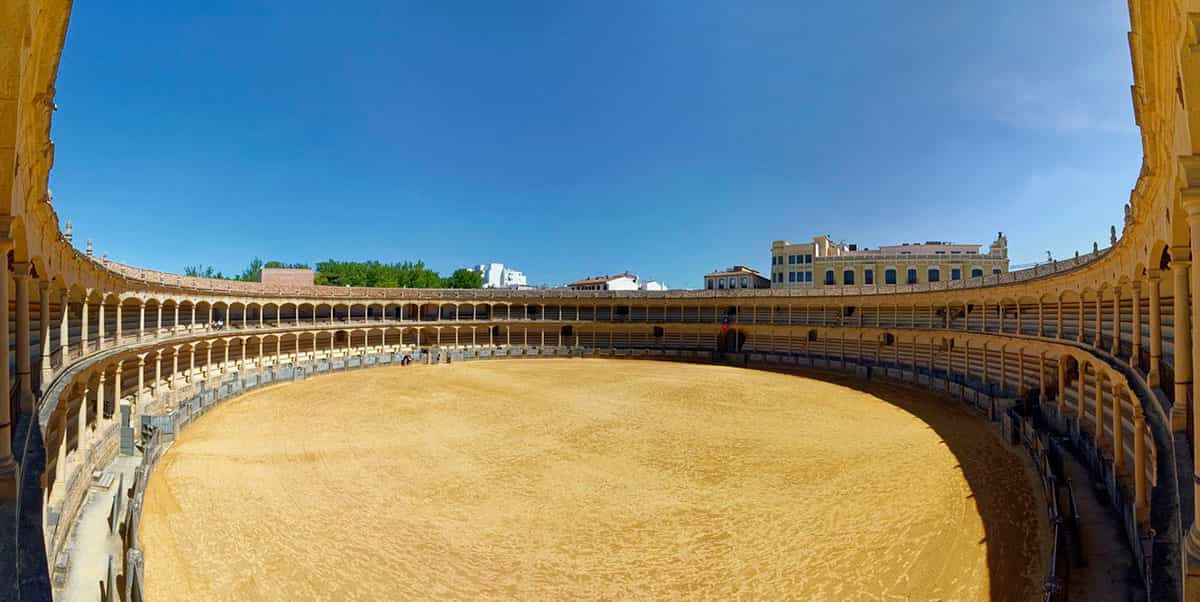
pixel 592 479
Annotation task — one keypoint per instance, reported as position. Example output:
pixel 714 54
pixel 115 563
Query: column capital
pixel 22 269
pixel 44 285
pixel 1180 254
pixel 103 376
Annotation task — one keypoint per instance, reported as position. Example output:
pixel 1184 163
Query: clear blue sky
pixel 576 138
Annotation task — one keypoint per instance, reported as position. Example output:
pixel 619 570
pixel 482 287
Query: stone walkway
pixel 1110 573
pixel 91 542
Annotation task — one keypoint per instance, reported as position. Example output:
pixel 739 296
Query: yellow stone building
pixel 826 263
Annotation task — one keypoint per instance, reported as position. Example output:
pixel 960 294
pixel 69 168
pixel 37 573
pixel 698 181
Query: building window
pixel 976 273
pixel 848 277
pixel 912 275
pixel 745 282
pixel 995 270
pixel 828 277
pixel 808 276
pixel 934 274
pixel 708 283
pixel 889 276
pixel 720 283
pixel 868 276
pixel 955 274
pixel 791 276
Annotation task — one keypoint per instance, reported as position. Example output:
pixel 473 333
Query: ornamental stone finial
pixel 1112 234
pixel 1095 247
pixel 68 233
pixel 89 247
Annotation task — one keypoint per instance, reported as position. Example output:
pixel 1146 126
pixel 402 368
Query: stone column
pixel 192 322
pixel 137 397
pixel 1182 311
pixel 175 319
pixel 44 333
pixel 100 399
pixel 83 323
pixel 1079 403
pixel 207 360
pixel 120 336
pixel 191 362
pixel 1154 378
pixel 158 321
pixel 100 323
pixel 64 329
pixel 1116 323
pixel 157 372
pixel 1041 319
pixel 1062 383
pixel 21 272
pixel 117 388
pixel 9 470
pixel 175 365
pixel 1136 324
pixel 1141 508
pixel 1117 429
pixel 1099 422
pixel 141 320
pixel 1099 341
pixel 81 438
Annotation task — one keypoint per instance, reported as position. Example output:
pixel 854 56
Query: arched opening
pixel 848 277
pixel 889 276
pixel 566 331
pixel 731 341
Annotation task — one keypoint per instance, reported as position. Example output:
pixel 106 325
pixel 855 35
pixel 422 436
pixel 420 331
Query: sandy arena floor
pixel 607 479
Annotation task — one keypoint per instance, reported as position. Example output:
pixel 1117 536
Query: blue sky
pixel 576 138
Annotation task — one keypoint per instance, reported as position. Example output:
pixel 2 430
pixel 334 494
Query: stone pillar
pixel 1154 378
pixel 207 360
pixel 120 335
pixel 100 399
pixel 1182 311
pixel 21 272
pixel 1062 383
pixel 1135 353
pixel 83 323
pixel 1079 403
pixel 1116 322
pixel 1041 319
pixel 192 321
pixel 81 439
pixel 1141 508
pixel 175 319
pixel 100 323
pixel 1117 429
pixel 9 470
pixel 191 362
pixel 1099 341
pixel 137 397
pixel 117 385
pixel 157 372
pixel 141 319
pixel 158 321
pixel 1042 377
pixel 44 333
pixel 64 329
pixel 175 365
pixel 1099 409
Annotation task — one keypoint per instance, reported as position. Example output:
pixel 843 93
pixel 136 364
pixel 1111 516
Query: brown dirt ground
pixel 608 479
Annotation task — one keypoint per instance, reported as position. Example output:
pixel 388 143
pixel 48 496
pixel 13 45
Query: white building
pixel 616 282
pixel 651 285
pixel 495 275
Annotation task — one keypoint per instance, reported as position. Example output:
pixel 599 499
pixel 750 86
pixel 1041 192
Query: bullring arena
pixel 999 404
pixel 517 479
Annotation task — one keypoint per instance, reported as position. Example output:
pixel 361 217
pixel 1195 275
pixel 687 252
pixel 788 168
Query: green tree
pixel 464 278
